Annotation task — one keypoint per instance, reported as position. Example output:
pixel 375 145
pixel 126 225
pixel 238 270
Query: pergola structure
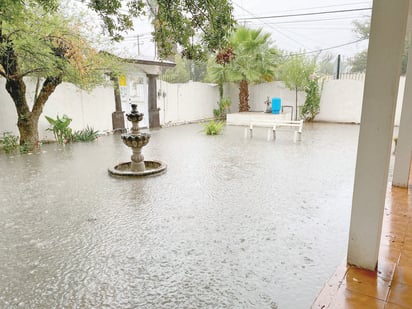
pixel 152 69
pixel 390 24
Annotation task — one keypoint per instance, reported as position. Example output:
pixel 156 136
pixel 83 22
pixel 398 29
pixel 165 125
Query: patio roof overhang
pixel 152 67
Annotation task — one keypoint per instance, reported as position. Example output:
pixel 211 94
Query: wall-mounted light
pixel 164 94
pixel 159 93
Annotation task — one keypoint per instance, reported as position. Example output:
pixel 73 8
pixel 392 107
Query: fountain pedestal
pixel 137 164
pixel 136 140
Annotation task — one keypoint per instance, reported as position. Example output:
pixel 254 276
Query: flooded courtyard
pixel 233 223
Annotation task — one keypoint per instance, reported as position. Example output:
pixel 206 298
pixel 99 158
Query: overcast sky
pixel 319 29
pixel 307 32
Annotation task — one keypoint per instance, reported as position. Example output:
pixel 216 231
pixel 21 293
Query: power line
pixel 315 28
pixel 329 6
pixel 305 14
pixel 312 20
pixel 270 26
pixel 328 48
pixel 320 7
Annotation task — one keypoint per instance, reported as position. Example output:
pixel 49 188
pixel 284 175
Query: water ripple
pixel 234 223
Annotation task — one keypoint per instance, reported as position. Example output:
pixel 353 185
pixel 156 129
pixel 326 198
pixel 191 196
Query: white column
pixel 388 27
pixel 404 146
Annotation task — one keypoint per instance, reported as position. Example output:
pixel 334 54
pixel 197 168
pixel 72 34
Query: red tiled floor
pixel 366 283
pixel 401 295
pixel 349 299
pixel 394 306
pixel 403 275
pixel 390 287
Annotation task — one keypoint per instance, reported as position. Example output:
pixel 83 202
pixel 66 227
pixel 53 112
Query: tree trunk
pixel 243 96
pixel 220 84
pixel 28 120
pixel 27 127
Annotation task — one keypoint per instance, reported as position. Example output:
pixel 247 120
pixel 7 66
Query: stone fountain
pixel 137 140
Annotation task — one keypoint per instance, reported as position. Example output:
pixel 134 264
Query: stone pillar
pixel 388 28
pixel 118 115
pixel 154 119
pixel 404 145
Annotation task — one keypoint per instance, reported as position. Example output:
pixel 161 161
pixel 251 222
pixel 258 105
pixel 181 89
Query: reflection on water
pixel 234 223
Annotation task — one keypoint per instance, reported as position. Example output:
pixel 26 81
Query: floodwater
pixel 233 223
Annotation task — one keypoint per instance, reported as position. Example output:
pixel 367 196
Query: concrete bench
pixel 273 125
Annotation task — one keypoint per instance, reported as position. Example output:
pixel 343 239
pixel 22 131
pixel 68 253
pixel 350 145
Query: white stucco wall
pixel 341 101
pixel 186 102
pixel 92 109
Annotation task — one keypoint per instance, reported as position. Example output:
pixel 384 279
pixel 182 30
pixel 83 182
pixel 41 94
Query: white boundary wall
pixel 92 109
pixel 180 103
pixel 341 101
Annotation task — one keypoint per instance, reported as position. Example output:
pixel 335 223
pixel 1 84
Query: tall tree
pixel 46 46
pixel 326 63
pixel 250 58
pixel 295 74
pixel 185 70
pixel 358 61
pixel 361 29
pixel 178 74
pixel 196 26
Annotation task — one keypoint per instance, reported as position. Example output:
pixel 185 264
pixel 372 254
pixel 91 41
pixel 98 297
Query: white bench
pixel 273 125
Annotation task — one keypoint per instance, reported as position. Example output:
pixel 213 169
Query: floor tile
pixel 367 283
pixel 325 297
pixel 408 243
pixel 401 295
pixel 405 260
pixel 347 299
pixel 390 254
pixel 403 275
pixel 392 240
pixel 395 306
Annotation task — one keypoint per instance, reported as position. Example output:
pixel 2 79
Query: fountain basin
pixel 152 168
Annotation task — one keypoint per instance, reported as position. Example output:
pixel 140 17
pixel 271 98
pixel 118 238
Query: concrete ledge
pixel 244 119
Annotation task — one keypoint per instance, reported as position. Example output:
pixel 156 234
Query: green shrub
pixel 213 127
pixel 60 127
pixel 312 104
pixel 10 142
pixel 86 135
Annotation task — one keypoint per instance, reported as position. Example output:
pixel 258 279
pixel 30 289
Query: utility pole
pixel 138 45
pixel 338 68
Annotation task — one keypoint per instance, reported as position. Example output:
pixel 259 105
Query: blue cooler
pixel 276 105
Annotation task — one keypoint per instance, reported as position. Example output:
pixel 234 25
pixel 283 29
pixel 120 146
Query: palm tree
pixel 254 61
